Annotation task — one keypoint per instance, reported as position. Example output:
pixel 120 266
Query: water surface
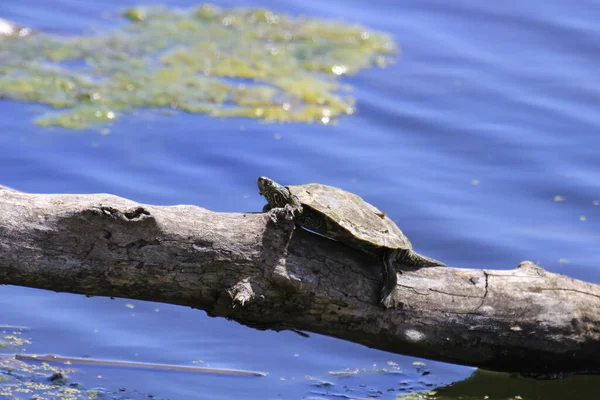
pixel 488 114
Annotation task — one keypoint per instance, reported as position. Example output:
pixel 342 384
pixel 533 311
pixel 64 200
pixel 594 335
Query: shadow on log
pixel 243 267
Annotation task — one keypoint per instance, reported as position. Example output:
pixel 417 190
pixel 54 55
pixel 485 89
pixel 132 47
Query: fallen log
pixel 261 271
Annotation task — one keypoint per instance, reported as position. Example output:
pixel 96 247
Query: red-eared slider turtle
pixel 347 218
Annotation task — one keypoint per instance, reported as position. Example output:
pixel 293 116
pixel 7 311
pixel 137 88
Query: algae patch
pixel 222 62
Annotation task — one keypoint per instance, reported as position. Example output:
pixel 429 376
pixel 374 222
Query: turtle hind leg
pixel 390 280
pixel 410 257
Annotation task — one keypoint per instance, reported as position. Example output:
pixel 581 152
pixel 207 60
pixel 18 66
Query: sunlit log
pixel 259 270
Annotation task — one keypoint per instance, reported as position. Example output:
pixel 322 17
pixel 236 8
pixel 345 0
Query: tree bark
pixel 259 270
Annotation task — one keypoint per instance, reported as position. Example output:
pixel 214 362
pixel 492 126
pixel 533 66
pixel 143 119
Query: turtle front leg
pixel 390 279
pixel 286 212
pixel 289 210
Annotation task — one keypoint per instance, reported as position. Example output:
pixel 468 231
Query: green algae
pixel 221 62
pixel 34 380
pixel 13 337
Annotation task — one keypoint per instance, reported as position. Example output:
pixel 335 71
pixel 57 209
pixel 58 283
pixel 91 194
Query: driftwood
pixel 243 267
pixel 51 358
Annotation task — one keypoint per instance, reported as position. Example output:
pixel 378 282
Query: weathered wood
pixel 239 266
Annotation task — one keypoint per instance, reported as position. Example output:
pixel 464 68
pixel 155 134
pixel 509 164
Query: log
pixel 261 271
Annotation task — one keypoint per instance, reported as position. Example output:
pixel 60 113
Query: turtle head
pixel 277 196
pixel 264 184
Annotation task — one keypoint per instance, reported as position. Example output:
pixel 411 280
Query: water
pixel 490 112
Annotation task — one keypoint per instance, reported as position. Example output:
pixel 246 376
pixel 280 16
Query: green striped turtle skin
pixel 347 218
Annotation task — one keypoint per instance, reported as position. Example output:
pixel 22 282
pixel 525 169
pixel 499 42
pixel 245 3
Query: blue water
pixel 488 114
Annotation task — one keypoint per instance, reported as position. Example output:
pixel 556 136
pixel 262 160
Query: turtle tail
pixel 410 257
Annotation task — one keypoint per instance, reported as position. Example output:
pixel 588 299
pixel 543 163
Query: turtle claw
pixel 286 213
pixel 388 299
pixel 289 212
pixel 283 215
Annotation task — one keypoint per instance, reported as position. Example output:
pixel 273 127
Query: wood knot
pixel 135 214
pixel 241 292
pixel 132 214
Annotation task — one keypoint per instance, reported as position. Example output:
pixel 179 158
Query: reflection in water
pixel 502 386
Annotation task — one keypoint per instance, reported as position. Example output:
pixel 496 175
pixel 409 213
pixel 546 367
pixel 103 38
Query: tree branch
pixel 259 270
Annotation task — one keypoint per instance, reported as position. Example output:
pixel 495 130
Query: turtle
pixel 345 217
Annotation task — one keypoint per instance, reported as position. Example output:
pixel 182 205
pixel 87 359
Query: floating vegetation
pixel 417 396
pixel 346 372
pixel 35 380
pixel 40 378
pixel 222 62
pixel 11 336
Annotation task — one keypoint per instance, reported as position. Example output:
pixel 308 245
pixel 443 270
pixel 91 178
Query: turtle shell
pixel 346 217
